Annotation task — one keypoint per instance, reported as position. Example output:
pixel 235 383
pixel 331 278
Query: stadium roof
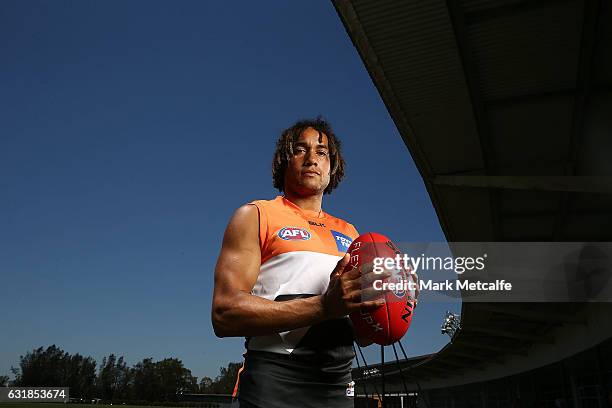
pixel 505 108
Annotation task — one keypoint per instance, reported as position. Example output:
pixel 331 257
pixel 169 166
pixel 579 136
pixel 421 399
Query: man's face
pixel 308 170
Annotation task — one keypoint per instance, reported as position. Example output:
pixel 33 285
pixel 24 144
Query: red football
pixel 388 323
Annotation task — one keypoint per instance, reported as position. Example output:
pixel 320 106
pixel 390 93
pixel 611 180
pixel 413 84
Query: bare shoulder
pixel 238 262
pixel 246 213
pixel 237 266
pixel 243 226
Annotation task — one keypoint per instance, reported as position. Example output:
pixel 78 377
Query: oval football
pixel 388 323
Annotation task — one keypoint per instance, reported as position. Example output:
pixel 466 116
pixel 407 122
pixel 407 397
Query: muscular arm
pixel 236 312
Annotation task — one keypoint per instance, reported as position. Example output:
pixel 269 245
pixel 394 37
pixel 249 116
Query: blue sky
pixel 129 133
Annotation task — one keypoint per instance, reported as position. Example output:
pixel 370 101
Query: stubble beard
pixel 309 187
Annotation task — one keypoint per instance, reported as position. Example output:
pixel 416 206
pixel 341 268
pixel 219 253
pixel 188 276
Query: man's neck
pixel 310 202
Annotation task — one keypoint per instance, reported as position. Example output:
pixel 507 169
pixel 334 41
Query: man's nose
pixel 309 158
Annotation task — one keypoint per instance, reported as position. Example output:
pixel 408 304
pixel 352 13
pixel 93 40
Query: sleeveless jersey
pixel 299 250
pixel 311 365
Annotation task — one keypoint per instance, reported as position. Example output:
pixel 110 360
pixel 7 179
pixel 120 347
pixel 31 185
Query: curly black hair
pixel 284 152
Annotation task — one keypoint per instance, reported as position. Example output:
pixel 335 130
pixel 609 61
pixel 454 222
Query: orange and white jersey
pixel 299 250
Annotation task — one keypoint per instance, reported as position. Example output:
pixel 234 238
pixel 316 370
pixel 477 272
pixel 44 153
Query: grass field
pixel 62 405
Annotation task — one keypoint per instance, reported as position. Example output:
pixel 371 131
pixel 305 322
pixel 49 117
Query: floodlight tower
pixel 452 324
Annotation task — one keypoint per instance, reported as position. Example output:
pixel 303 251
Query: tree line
pixel 114 380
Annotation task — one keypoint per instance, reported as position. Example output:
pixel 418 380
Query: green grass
pixel 62 405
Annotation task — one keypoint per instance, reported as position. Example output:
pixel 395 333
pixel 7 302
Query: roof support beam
pixel 510 100
pixel 578 184
pixel 471 356
pixel 429 367
pixel 497 11
pixel 536 214
pixel 554 94
pixel 445 361
pixel 535 315
pixel 458 21
pixel 461 366
pixel 590 23
pixel 500 349
pixel 508 334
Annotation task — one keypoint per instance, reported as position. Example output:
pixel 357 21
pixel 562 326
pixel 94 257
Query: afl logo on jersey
pixel 294 234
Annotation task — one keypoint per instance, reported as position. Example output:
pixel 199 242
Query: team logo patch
pixel 342 241
pixel 294 234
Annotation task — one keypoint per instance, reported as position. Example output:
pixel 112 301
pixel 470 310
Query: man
pixel 280 281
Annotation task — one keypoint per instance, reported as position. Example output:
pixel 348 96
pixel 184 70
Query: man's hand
pixel 352 290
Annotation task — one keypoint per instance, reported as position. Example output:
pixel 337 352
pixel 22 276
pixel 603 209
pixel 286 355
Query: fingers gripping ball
pixel 389 322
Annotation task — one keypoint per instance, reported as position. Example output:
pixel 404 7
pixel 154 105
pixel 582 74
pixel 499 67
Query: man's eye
pixel 322 153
